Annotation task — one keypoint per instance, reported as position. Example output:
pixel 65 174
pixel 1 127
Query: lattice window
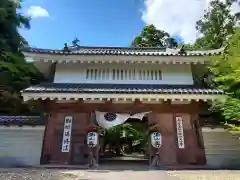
pixel 124 74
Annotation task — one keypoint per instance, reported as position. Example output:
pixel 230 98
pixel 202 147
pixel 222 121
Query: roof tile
pixel 85 50
pixel 119 88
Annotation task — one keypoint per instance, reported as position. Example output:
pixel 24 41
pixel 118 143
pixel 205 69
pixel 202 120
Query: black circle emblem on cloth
pixel 110 116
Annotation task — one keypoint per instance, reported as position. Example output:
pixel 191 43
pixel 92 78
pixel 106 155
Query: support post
pixel 155 144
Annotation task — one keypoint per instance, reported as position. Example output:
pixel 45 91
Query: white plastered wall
pixel 172 74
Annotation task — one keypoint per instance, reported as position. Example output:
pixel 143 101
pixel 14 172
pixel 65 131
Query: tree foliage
pixel 152 37
pixel 226 73
pixel 131 134
pixel 10 21
pixel 15 73
pixel 217 24
pixel 218 29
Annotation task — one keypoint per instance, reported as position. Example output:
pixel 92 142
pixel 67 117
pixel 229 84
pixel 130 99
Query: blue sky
pixel 94 22
pixel 109 22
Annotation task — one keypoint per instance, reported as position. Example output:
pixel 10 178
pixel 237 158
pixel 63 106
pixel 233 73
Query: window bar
pixel 125 76
pixel 91 76
pixel 121 74
pixel 159 75
pixel 152 75
pixel 113 75
pixel 134 74
pixel 99 74
pixel 103 74
pixel 156 74
pixel 95 74
pixel 87 74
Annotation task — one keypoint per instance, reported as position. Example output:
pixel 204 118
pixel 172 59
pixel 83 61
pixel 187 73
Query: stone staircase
pixel 222 148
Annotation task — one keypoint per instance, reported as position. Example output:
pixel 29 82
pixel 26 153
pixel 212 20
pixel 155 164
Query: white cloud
pixel 176 16
pixel 36 12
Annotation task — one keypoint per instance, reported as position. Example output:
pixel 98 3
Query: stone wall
pixel 222 148
pixel 20 146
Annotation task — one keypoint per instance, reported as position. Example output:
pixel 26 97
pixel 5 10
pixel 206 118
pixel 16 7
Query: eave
pixel 119 55
pixel 119 92
pixel 120 97
pixel 108 59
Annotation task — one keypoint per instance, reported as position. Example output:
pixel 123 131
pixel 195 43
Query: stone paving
pixel 121 175
pixel 205 175
pixel 113 173
pixel 34 174
pixel 99 174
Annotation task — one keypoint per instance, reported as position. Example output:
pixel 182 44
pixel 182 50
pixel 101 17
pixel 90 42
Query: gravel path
pixel 34 174
pixel 205 175
pixel 97 174
pixel 139 174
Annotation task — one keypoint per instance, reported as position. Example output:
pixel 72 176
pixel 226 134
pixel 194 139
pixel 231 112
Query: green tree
pixel 15 73
pixel 10 21
pixel 120 135
pixel 216 25
pixel 226 71
pixel 200 44
pixel 152 37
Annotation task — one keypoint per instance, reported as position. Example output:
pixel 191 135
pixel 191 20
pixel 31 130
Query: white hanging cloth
pixel 107 120
pixel 139 115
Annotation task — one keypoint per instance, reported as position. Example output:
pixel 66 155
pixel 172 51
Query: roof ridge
pixel 128 51
pixel 121 47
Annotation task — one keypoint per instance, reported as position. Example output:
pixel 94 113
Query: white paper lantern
pixel 156 139
pixel 92 139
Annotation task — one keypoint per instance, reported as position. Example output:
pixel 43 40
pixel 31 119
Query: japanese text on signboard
pixel 180 134
pixel 67 129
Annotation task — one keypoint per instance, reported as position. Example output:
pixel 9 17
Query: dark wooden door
pixel 79 153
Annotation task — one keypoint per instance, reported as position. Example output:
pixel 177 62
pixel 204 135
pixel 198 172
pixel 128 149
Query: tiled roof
pixel 23 120
pixel 20 118
pixel 119 89
pixel 117 51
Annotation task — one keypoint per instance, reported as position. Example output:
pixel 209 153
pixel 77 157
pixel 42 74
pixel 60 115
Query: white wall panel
pixel 170 73
pixel 20 147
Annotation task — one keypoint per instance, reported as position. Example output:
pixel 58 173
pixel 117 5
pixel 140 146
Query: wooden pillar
pixel 97 149
pixel 151 122
pixel 168 148
pixel 48 137
pixel 200 150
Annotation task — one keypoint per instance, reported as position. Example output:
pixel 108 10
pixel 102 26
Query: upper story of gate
pixel 119 65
